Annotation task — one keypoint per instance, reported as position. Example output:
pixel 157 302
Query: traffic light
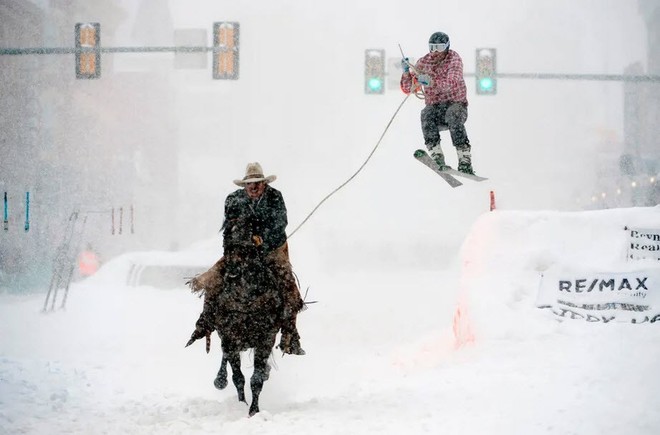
pixel 374 71
pixel 486 71
pixel 225 50
pixel 88 54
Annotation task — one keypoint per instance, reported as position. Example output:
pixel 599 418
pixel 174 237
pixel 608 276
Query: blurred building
pixel 632 176
pixel 22 135
pixel 639 164
pixel 85 146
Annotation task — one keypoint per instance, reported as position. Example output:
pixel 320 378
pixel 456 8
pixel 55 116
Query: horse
pixel 248 316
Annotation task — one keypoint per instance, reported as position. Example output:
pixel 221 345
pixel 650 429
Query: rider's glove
pixel 424 79
pixel 405 65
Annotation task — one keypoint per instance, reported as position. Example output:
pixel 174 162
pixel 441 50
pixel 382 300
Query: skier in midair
pixel 440 74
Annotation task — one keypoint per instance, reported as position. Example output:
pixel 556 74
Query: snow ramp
pixel 523 272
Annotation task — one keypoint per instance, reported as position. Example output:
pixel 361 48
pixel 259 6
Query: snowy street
pixel 467 193
pixel 381 359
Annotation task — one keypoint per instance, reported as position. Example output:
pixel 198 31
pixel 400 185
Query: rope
pixel 357 172
pixel 418 90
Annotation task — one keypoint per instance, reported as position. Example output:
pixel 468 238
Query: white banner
pixel 602 297
pixel 643 244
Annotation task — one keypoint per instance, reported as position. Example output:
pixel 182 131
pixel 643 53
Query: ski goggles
pixel 438 47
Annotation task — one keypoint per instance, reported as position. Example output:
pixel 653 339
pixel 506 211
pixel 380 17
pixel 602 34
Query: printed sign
pixel 643 244
pixel 602 297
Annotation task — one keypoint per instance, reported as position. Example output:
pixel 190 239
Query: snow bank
pixel 160 269
pixel 507 252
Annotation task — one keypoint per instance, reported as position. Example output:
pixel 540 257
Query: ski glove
pixel 424 79
pixel 405 65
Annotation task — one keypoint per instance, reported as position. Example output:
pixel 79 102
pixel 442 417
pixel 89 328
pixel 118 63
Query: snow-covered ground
pixel 381 355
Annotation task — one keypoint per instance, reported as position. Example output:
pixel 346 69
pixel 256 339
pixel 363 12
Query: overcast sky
pixel 299 106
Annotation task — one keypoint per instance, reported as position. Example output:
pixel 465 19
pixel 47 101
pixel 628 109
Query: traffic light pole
pixel 592 77
pixel 200 49
pixel 88 50
pixel 73 50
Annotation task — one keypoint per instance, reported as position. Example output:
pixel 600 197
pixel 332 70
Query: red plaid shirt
pixel 447 83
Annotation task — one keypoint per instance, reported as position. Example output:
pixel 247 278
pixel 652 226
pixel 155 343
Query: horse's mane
pixel 248 282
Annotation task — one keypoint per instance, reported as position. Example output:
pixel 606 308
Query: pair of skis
pixel 449 175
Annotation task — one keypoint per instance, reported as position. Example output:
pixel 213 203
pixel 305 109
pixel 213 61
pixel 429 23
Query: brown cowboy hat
pixel 254 174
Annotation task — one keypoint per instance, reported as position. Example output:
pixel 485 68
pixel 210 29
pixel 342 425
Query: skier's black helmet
pixel 439 41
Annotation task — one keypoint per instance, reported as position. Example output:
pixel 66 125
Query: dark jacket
pixel 264 217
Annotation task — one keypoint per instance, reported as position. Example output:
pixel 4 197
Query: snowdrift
pixel 159 269
pixel 507 255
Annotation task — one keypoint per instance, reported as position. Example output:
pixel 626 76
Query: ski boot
pixel 464 159
pixel 439 157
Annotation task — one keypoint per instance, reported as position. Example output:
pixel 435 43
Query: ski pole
pixel 6 214
pixel 27 211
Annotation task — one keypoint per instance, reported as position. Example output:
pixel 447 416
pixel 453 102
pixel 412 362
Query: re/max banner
pixel 602 297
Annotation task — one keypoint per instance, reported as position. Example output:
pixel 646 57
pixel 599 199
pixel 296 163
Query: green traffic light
pixel 486 84
pixel 375 84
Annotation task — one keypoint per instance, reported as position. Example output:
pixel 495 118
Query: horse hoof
pixel 253 410
pixel 220 383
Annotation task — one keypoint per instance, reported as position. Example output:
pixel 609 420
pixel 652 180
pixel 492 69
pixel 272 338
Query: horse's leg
pixel 234 359
pixel 220 381
pixel 260 375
